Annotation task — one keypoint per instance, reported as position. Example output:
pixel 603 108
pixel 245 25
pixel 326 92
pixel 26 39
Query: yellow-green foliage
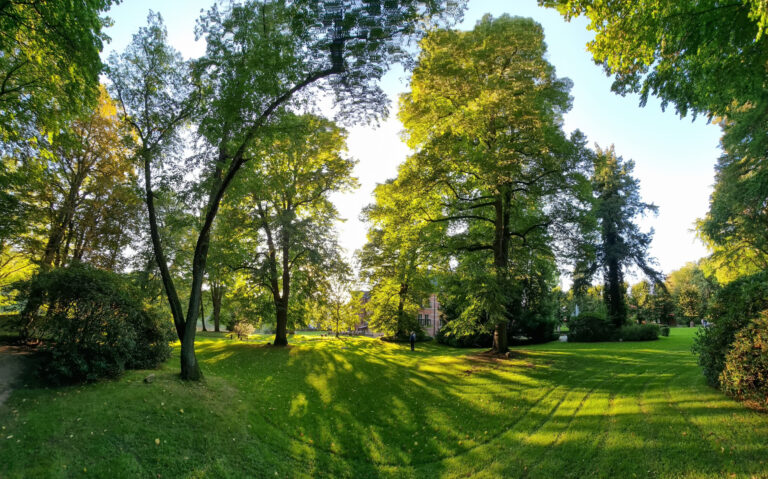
pixel 745 375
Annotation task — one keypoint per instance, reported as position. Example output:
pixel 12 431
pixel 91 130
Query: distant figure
pixel 413 340
pixel 704 323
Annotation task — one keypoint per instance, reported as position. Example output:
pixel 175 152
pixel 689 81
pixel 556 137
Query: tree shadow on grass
pixel 362 408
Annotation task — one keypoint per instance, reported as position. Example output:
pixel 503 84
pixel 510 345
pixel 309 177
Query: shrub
pixel 242 329
pixel 589 327
pixel 421 336
pixel 731 310
pixel 664 330
pixel 640 332
pixel 473 340
pixel 533 327
pixel 93 325
pixel 745 374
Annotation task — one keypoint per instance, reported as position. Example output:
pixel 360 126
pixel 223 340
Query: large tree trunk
pixel 614 288
pixel 281 330
pixel 500 338
pixel 190 369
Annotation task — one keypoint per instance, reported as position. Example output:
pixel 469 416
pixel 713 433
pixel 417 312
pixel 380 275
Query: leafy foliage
pixel 398 259
pixel 590 328
pixel 282 213
pixel 49 63
pixel 733 226
pixel 242 329
pixel 640 332
pixel 733 308
pixel 470 340
pixel 261 60
pixel 702 56
pixel 745 372
pixel 93 325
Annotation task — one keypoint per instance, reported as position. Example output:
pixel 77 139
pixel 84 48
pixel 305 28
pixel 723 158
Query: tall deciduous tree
pixel 485 114
pixel 617 242
pixel 261 58
pixel 150 80
pixel 283 203
pixel 397 258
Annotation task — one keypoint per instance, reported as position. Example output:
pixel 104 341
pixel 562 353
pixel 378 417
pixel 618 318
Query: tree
pixel 261 57
pixel 338 307
pixel 640 300
pixel 397 258
pixel 485 114
pixel 283 206
pixel 617 242
pixel 49 63
pixel 707 57
pixel 89 189
pixel 691 290
pixel 150 80
pixel 734 227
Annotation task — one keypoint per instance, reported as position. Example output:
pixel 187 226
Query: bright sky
pixel 674 157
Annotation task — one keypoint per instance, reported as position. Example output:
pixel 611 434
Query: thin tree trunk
pixel 217 292
pixel 500 264
pixel 402 326
pixel 190 370
pixel 202 314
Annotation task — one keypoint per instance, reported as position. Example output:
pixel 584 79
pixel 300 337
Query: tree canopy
pixel 49 62
pixel 485 116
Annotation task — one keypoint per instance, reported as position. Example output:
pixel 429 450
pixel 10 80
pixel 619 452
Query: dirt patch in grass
pixel 12 366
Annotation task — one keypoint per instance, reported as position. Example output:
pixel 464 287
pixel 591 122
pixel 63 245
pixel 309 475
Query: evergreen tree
pixel 616 243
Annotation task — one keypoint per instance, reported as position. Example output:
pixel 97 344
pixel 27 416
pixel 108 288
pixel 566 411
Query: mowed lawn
pixel 362 408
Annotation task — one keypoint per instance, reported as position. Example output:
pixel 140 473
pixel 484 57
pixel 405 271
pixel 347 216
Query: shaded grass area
pixel 359 407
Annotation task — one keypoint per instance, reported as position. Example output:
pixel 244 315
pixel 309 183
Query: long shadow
pixel 359 408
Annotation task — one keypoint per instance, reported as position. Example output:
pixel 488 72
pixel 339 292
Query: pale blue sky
pixel 674 157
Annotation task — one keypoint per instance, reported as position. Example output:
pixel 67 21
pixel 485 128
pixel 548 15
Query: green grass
pixel 359 407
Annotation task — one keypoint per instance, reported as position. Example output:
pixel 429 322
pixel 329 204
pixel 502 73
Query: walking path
pixel 11 366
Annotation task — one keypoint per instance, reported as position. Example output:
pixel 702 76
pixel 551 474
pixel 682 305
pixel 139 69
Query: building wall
pixel 429 316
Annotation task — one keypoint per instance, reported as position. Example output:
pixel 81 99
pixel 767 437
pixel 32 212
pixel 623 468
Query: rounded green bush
pixel 589 327
pixel 93 325
pixel 732 309
pixel 640 332
pixel 745 375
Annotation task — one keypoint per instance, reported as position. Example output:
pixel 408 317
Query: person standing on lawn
pixel 413 340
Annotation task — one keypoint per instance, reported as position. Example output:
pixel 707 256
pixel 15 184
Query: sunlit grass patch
pixel 359 407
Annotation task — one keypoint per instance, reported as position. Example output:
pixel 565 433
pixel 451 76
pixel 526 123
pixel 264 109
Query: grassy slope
pixel 363 408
